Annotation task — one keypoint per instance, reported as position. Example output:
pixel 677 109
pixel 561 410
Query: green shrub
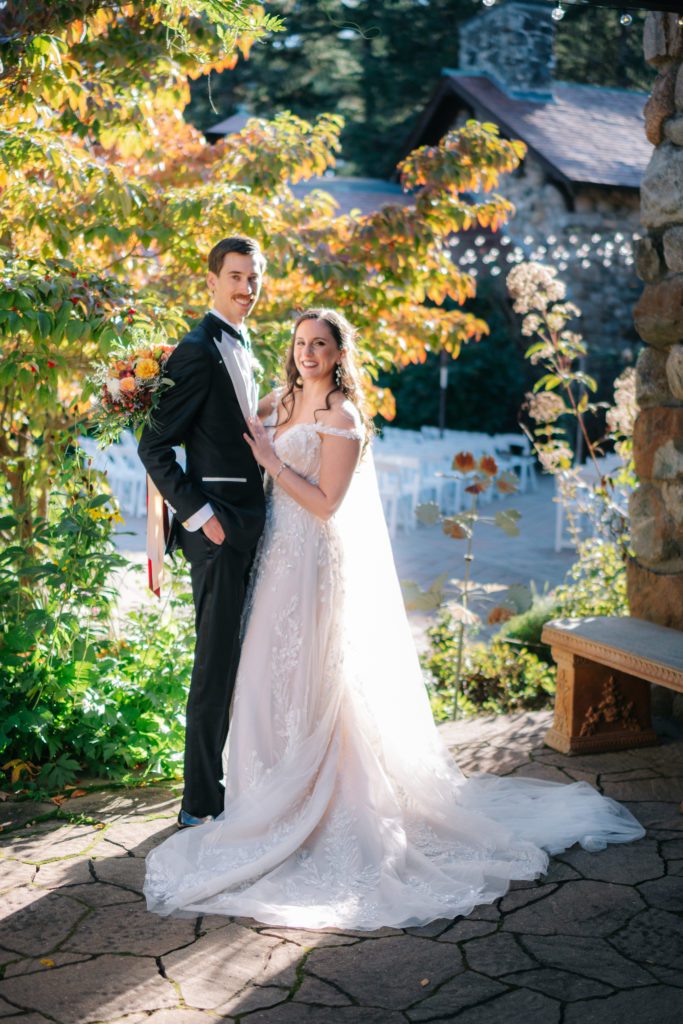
pixel 75 699
pixel 497 679
pixel 526 628
pixel 596 582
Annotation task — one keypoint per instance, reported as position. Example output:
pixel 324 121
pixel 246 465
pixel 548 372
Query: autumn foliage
pixel 111 202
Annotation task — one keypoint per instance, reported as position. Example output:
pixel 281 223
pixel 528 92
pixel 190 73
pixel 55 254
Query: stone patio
pixel 598 939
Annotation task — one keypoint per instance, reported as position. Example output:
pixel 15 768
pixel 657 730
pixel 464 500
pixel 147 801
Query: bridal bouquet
pixel 128 386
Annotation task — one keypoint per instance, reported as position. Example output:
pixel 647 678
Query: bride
pixel 342 807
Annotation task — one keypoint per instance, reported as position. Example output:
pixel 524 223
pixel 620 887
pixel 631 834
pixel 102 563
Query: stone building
pixel 576 193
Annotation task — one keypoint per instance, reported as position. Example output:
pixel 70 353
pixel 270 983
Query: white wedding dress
pixel 342 807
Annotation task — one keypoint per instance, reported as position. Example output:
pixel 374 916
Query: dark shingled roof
pixel 589 133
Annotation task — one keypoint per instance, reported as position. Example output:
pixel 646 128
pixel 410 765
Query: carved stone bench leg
pixel 598 708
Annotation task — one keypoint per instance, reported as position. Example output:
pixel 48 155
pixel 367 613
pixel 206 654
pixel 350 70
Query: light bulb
pixel 625 18
pixel 557 14
pixel 489 3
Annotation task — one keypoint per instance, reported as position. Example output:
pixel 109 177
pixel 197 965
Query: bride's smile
pixel 316 352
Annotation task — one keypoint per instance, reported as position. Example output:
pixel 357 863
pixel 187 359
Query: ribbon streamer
pixel 157 535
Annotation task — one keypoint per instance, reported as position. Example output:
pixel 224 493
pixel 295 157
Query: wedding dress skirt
pixel 342 807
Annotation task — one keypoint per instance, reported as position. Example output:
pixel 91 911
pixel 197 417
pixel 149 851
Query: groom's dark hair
pixel 236 243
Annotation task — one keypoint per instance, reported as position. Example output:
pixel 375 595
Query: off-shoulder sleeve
pixel 353 435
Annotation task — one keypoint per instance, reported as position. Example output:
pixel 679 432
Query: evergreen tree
pixel 593 46
pixel 375 64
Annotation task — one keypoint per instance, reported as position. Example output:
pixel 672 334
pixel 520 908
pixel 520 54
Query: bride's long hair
pixel 350 381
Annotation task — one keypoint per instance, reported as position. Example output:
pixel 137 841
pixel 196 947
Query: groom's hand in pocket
pixel 214 531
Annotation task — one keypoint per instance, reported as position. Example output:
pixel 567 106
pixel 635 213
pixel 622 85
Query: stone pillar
pixel 655 574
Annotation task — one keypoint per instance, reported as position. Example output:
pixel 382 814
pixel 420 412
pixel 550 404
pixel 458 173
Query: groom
pixel 217 500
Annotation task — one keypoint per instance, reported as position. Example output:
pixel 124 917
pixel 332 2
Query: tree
pixel 593 46
pixel 374 64
pixel 112 202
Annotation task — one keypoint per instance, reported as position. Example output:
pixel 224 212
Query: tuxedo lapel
pixel 238 366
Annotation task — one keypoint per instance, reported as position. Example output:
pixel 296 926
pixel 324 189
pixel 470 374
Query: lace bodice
pixel 300 444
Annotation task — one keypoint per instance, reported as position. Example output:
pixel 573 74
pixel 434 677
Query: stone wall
pixel 656 571
pixel 601 281
pixel 514 45
pixel 604 294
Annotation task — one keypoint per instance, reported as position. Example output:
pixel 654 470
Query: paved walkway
pixel 598 940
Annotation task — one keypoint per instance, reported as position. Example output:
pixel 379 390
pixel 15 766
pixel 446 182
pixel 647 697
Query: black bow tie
pixel 234 333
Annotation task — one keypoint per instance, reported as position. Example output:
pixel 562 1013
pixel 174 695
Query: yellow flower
pixel 146 368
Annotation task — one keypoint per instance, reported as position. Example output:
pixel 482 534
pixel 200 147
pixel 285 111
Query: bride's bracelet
pixel 283 465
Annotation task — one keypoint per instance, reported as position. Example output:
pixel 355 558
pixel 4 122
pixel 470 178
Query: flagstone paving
pixel 598 939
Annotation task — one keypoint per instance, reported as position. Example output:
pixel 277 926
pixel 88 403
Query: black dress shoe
pixel 186 820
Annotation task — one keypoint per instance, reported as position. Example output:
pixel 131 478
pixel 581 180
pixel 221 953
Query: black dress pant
pixel 219 577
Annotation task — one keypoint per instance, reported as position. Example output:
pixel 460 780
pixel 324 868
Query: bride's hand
pixel 261 446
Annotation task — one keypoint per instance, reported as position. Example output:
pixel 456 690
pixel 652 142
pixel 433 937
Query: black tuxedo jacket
pixel 201 411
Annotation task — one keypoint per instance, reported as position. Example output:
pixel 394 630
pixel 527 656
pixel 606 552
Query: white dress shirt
pixel 202 515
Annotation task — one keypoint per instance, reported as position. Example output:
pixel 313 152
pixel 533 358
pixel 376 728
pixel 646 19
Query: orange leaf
pixel 488 465
pixel 477 488
pixel 507 483
pixel 452 528
pixel 464 462
pixel 79 792
pixel 498 615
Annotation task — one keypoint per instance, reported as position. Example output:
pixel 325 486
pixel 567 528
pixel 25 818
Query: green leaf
pixel 98 501
pixel 428 513
pixel 416 599
pixel 44 324
pixel 38 621
pixel 520 596
pixel 74 330
pixel 8 522
pixel 507 521
pixel 548 382
pixel 19 638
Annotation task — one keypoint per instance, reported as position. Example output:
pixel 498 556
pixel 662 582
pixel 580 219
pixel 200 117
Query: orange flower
pixel 128 385
pixel 488 465
pixel 146 368
pixel 464 462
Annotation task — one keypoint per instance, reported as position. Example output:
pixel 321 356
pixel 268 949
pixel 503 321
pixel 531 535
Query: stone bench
pixel 603 667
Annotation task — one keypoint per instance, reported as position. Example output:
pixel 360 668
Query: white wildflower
pixel 622 415
pixel 534 286
pixel 545 407
pixel 113 386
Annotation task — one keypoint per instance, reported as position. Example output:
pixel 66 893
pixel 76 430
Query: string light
pixel 625 18
pixel 488 3
pixel 557 14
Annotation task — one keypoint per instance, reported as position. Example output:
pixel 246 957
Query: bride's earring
pixel 338 375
